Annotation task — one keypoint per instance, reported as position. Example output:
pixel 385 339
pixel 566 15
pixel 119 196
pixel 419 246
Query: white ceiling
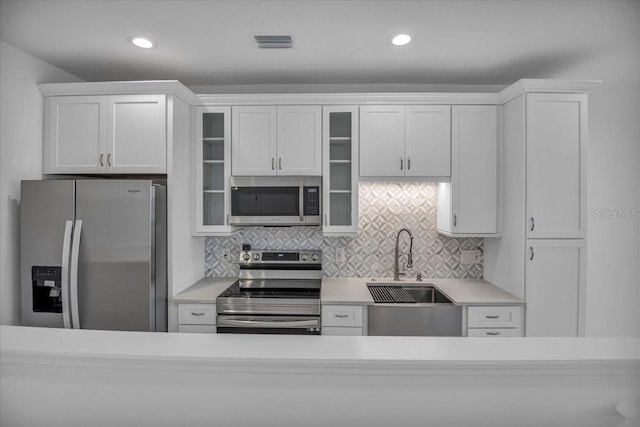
pixel 335 42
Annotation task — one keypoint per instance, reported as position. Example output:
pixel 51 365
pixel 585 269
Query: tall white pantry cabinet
pixel 540 255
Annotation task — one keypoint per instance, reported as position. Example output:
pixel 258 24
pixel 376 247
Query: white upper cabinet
pixel 411 141
pixel 253 141
pixel 105 134
pixel 382 140
pixel 340 170
pixel 428 140
pixel 468 205
pixel 212 168
pixel 137 134
pixel 556 165
pixel 75 137
pixel 299 148
pixel 283 140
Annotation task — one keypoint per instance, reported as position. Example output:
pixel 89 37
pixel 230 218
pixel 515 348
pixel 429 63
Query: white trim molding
pixel 546 86
pixel 169 87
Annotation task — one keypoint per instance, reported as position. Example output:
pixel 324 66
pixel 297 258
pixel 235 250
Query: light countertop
pixel 204 291
pixel 354 291
pixel 49 342
pixel 459 291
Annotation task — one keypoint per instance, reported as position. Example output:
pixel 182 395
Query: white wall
pixel 20 156
pixel 613 266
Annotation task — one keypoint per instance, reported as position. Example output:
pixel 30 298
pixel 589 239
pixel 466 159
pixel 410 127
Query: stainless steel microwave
pixel 275 200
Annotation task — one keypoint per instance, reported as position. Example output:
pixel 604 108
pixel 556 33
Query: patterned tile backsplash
pixel 384 209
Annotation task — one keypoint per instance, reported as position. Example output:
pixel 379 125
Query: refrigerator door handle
pixel 75 252
pixel 66 248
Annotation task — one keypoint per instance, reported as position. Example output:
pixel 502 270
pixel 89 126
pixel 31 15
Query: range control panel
pixel 263 257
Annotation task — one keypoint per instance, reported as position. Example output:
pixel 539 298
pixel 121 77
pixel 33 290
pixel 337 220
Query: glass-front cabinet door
pixel 212 168
pixel 340 170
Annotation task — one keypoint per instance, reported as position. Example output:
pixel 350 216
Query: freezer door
pixel 116 258
pixel 45 208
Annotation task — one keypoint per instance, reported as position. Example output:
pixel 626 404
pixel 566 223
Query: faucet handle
pixel 419 276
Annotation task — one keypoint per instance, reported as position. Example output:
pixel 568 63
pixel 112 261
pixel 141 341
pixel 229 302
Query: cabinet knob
pixel 408 163
pixel 455 220
pixel 401 164
pixel 531 249
pixel 101 159
pixel 279 162
pixel 273 163
pixel 109 159
pixel 533 224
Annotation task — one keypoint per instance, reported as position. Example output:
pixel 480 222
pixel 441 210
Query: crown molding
pixel 348 98
pixel 168 87
pixel 546 86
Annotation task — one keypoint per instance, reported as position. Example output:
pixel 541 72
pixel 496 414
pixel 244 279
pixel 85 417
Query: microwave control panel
pixel 312 201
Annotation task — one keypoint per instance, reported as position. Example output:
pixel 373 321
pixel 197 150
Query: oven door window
pixel 265 201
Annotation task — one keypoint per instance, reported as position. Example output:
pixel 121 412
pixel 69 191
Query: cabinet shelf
pixel 340 191
pixel 340 139
pixel 344 162
pixel 213 162
pixel 213 191
pixel 213 139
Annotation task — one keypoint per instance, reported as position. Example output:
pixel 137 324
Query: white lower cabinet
pixel 342 320
pixel 555 287
pixel 199 318
pixel 495 321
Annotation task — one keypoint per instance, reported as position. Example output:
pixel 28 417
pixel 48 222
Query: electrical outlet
pixel 340 258
pixel 470 256
pixel 226 253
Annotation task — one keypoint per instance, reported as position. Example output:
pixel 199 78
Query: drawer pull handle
pixel 342 316
pixel 197 314
pixel 493 316
pixel 493 333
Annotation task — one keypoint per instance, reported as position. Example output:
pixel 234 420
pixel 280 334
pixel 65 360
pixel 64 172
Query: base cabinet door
pixel 197 318
pixel 555 287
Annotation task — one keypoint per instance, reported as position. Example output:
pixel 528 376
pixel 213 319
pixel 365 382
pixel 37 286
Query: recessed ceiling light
pixel 401 39
pixel 141 42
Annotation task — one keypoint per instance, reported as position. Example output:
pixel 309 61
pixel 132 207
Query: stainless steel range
pixel 278 292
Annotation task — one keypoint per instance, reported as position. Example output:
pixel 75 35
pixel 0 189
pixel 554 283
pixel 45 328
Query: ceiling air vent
pixel 274 42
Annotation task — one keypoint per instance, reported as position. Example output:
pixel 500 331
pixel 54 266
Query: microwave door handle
pixel 66 249
pixel 301 201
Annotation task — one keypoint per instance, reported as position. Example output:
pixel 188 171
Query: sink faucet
pixel 396 270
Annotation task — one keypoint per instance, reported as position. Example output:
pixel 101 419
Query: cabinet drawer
pixel 342 315
pixel 494 332
pixel 197 314
pixel 339 330
pixel 198 329
pixel 494 317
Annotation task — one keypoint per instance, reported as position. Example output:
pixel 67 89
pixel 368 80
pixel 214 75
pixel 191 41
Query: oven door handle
pixel 269 324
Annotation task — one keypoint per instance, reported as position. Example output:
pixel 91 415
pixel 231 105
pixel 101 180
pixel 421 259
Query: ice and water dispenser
pixel 47 287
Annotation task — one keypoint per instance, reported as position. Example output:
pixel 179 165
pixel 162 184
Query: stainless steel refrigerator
pixel 93 254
